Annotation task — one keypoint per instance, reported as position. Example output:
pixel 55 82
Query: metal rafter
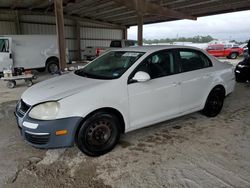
pixel 157 10
pixel 143 7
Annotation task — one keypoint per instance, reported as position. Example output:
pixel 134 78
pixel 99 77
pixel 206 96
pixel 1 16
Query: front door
pixel 159 98
pixel 6 61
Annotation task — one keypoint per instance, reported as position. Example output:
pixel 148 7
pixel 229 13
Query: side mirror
pixel 141 76
pixel 10 56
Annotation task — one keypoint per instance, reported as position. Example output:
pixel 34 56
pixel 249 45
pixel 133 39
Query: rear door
pixel 6 61
pixel 196 76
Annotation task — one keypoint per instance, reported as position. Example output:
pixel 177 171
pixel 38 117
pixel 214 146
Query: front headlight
pixel 241 66
pixel 45 111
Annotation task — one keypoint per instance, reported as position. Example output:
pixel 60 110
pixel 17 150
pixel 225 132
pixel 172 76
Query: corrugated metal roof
pixel 122 13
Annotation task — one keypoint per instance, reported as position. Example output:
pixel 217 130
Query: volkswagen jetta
pixel 121 91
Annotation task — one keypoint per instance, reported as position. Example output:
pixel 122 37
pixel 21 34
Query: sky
pixel 230 26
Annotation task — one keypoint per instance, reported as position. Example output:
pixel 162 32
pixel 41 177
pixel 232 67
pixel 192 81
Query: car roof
pixel 153 48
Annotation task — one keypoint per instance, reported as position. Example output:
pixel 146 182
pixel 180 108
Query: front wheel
pixel 28 83
pixel 214 102
pixel 98 134
pixel 11 84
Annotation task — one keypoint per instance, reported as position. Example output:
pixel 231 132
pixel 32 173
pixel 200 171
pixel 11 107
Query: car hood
pixel 58 88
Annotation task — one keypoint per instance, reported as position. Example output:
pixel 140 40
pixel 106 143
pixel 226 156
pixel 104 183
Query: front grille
pixel 37 139
pixel 22 108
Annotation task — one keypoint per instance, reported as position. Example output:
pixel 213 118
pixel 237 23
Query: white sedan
pixel 122 90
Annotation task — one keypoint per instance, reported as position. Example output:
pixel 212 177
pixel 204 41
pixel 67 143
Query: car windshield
pixel 111 65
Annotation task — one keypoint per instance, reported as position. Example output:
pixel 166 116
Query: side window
pixel 193 60
pixel 129 43
pixel 116 44
pixel 4 45
pixel 159 64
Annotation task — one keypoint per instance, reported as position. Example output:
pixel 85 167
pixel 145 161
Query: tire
pixel 28 83
pixel 98 134
pixel 233 55
pixel 214 102
pixel 11 84
pixel 52 66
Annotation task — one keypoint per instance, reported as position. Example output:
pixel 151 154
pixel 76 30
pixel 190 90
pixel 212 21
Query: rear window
pixel 193 60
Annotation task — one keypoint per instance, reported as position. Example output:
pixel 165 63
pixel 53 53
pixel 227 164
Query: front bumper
pixel 241 75
pixel 42 134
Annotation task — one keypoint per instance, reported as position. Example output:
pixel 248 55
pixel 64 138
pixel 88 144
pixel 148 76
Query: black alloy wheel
pixel 214 102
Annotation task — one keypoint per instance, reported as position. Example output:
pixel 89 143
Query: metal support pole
pixel 125 33
pixel 60 33
pixel 140 30
pixel 17 23
pixel 78 40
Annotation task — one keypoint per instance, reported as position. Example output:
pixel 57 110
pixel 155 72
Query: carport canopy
pixel 123 13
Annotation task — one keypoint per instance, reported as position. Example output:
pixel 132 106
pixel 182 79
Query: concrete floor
pixel 191 151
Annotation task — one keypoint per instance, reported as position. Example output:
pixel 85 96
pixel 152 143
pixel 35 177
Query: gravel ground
pixel 190 151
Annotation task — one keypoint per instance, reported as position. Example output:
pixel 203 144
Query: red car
pixel 221 50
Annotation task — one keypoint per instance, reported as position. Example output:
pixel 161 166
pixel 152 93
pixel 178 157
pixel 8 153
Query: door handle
pixel 176 83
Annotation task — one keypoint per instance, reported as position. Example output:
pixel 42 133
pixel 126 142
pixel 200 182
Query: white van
pixel 29 51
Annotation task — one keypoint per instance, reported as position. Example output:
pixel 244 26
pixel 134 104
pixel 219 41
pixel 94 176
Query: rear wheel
pixel 52 66
pixel 214 102
pixel 98 134
pixel 233 55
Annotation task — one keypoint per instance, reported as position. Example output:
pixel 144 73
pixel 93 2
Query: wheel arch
pixel 50 59
pixel 114 111
pixel 220 86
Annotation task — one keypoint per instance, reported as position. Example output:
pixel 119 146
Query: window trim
pixel 173 50
pixel 192 50
pixel 8 45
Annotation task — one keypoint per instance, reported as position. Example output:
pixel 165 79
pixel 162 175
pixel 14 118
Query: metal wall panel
pixel 70 44
pixel 43 29
pixel 38 29
pixel 7 28
pixel 95 43
pixel 7 16
pixel 91 34
pixel 99 36
pixel 101 33
pixel 43 19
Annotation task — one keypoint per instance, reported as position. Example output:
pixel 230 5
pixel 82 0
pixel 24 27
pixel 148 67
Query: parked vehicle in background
pixel 221 50
pixel 242 70
pixel 122 90
pixel 29 51
pixel 91 53
pixel 245 49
